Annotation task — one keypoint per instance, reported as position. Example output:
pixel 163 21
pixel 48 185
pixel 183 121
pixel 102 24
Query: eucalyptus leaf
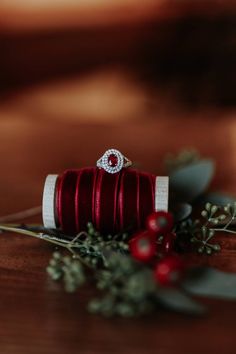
pixel 181 211
pixel 188 182
pixel 213 283
pixel 179 301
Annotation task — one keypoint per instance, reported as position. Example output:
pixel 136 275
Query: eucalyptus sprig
pixel 214 219
pixel 67 269
pixel 87 247
pixel 128 288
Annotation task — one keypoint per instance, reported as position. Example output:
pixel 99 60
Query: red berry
pixel 143 246
pixel 160 222
pixel 169 271
pixel 168 242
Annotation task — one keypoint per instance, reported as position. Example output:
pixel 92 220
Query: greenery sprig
pixel 128 287
pixel 201 232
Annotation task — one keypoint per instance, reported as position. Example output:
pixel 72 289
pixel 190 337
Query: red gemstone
pixel 112 160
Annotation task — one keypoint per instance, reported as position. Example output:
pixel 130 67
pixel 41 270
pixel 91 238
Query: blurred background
pixel 146 77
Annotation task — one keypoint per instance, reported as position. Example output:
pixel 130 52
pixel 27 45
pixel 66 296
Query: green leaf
pixel 211 282
pixel 189 182
pixel 178 301
pixel 181 211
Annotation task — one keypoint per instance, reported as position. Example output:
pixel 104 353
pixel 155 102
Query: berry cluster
pixel 155 246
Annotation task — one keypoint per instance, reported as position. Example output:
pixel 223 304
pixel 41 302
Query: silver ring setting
pixel 113 161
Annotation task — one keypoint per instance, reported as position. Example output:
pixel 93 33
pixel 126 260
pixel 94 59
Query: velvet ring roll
pixel 146 199
pixel 58 202
pixel 128 199
pixel 84 198
pixel 66 201
pixel 95 199
pixel 105 213
pixel 113 202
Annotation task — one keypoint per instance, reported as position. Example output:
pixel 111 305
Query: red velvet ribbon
pixel 128 201
pixel 112 202
pixel 84 198
pixel 146 197
pixel 105 204
pixel 65 201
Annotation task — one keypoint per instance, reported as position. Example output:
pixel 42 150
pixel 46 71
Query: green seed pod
pixel 125 235
pixel 94 261
pixel 125 310
pixel 94 306
pixel 56 255
pixel 227 208
pixel 67 260
pixel 208 206
pixel 53 262
pixel 222 217
pixel 211 233
pixel 204 231
pixel 216 248
pixel 214 209
pixel 204 213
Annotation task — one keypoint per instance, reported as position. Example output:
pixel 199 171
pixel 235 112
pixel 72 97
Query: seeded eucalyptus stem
pixel 51 239
pixel 87 247
pixel 202 232
pixel 224 230
pixel 227 211
pixel 69 245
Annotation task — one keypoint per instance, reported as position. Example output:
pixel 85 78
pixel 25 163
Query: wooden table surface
pixel 36 315
pixel 73 84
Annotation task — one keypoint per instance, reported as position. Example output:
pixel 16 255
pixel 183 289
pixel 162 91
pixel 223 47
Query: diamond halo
pixel 113 161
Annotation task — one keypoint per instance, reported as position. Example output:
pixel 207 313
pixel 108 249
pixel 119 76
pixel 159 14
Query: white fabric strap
pixel 49 219
pixel 162 193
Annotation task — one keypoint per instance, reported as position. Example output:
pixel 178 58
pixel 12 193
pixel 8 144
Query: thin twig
pixel 54 240
pixel 225 230
pixel 40 236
